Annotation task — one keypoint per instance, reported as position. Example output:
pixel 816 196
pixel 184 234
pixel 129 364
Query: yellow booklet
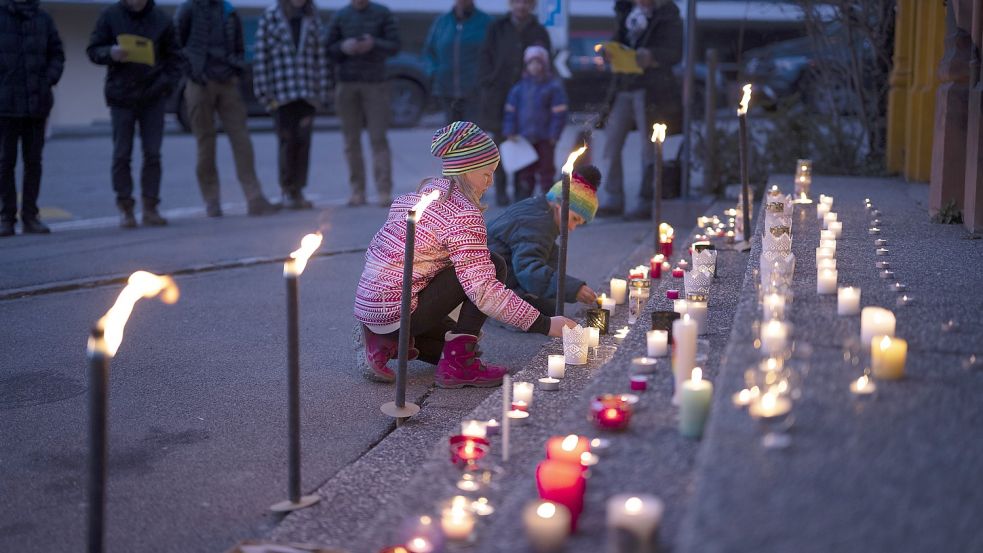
pixel 138 49
pixel 622 58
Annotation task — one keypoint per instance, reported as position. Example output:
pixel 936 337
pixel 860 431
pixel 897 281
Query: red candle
pixel 520 406
pixel 672 294
pixel 567 449
pixel 467 449
pixel 610 412
pixel 677 272
pixel 562 483
pixel 655 267
pixel 639 382
pixel 666 248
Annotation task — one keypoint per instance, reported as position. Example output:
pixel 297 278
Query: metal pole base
pixel 287 506
pixel 408 410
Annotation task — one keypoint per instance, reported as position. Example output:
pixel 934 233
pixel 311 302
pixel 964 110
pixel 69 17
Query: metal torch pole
pixel 561 269
pixel 293 389
pixel 404 310
pixel 98 391
pixel 745 186
pixel 657 201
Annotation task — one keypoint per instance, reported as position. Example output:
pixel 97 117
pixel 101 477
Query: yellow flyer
pixel 622 58
pixel 138 49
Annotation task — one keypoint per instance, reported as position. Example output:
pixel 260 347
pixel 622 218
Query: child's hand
pixel 586 295
pixel 557 323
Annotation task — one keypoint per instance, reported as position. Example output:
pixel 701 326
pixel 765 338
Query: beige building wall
pixel 78 97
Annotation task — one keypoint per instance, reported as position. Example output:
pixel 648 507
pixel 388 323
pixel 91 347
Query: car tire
pixel 407 102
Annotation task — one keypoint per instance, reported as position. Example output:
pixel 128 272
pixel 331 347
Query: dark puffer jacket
pixel 374 20
pixel 133 84
pixel 31 60
pixel 501 65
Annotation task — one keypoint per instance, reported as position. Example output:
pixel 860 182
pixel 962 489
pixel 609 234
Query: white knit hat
pixel 534 52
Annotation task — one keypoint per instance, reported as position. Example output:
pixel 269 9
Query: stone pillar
pixel 951 108
pixel 900 80
pixel 929 30
pixel 973 203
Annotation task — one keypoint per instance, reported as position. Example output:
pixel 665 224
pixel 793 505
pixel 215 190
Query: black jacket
pixel 501 65
pixel 374 20
pixel 31 60
pixel 133 84
pixel 196 24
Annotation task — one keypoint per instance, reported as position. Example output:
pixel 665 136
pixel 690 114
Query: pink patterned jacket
pixel 451 232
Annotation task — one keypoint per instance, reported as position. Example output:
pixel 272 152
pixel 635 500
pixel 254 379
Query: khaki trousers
pixel 365 105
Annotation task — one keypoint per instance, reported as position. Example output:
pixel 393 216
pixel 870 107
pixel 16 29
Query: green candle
pixel 694 404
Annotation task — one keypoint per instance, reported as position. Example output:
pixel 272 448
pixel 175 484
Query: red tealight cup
pixel 655 269
pixel 666 249
pixel 677 272
pixel 562 483
pixel 639 382
pixel 672 294
pixel 520 406
pixel 466 450
pixel 610 412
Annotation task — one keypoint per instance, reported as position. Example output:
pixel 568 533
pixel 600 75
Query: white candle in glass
pixel 657 342
pixel 593 337
pixel 633 519
pixel 826 281
pixel 608 304
pixel 619 290
pixel 457 523
pixel 474 428
pixel 875 321
pixel 698 311
pixel 836 227
pixel 522 391
pixel 680 306
pixel 556 366
pixel 847 301
pixel 547 525
pixel 774 337
pixel 773 306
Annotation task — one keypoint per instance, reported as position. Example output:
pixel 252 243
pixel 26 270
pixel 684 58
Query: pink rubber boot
pixel 373 352
pixel 460 365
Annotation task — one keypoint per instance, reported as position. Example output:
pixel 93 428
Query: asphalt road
pixel 197 397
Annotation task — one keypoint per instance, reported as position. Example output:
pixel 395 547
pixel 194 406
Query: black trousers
pixel 29 133
pixel 294 125
pixel 150 118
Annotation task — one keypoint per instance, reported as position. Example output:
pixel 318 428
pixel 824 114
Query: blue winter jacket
pixel 536 109
pixel 452 50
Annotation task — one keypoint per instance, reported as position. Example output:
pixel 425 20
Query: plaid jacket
pixel 283 73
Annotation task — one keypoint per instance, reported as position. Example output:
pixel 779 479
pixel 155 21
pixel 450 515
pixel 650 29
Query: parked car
pixel 407 74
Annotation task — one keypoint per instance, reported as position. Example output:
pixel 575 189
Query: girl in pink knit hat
pixel 452 266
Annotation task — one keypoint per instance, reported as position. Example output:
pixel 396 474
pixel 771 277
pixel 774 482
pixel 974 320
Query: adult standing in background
pixel 501 67
pixel 360 38
pixel 453 48
pixel 290 77
pixel 136 92
pixel 209 34
pixel 31 62
pixel 654 29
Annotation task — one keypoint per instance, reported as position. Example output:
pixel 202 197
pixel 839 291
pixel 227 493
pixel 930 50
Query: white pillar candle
pixel 847 301
pixel 836 227
pixel 774 337
pixel 474 428
pixel 773 306
pixel 593 337
pixel 547 525
pixel 556 366
pixel 829 218
pixel 825 263
pixel 608 304
pixel 619 290
pixel 680 306
pixel 829 244
pixel 825 253
pixel 875 321
pixel 457 523
pixel 826 281
pixel 827 200
pixel 633 521
pixel 694 404
pixel 887 357
pixel 522 391
pixel 826 235
pixel 657 342
pixel 698 311
pixel 684 332
pixel 821 210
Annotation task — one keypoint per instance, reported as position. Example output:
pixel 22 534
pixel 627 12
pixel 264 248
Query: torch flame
pixel 141 284
pixel 598 47
pixel 659 133
pixel 425 202
pixel 298 259
pixel 572 158
pixel 745 100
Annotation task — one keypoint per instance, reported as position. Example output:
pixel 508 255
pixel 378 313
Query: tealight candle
pixel 863 386
pixel 836 227
pixel 519 405
pixel 492 427
pixel 875 321
pixel 882 251
pixel 773 306
pixel 876 223
pixel 593 337
pixel 694 404
pixel 556 366
pixel 672 294
pixel 644 365
pixel 774 337
pixel 887 357
pixel 633 522
pixel 745 396
pixel 547 525
pixel 678 272
pixel 825 263
pixel 666 266
pixel 474 428
pixel 887 273
pixel 829 218
pixel 683 264
pixel 621 334
pixel 826 281
pixel 457 523
pixel 873 230
pixel 619 290
pixel 898 287
pixel 611 412
pixel 638 382
pixel 880 242
pixel 905 300
pixel 549 384
pixel 657 342
pixel 876 213
pixel 517 417
pixel 522 391
pixel 847 301
pixel 882 264
pixel 769 406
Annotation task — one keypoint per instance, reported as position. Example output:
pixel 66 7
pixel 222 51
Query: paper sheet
pixel 138 49
pixel 622 58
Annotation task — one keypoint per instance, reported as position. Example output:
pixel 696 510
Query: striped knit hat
pixel 583 192
pixel 463 147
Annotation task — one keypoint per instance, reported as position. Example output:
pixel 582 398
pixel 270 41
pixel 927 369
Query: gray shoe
pixel 261 206
pixel 356 199
pixel 152 218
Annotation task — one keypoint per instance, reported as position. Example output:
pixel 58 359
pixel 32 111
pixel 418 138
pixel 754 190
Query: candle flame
pixel 633 505
pixel 745 100
pixel 862 382
pixel 611 413
pixel 659 132
pixel 419 544
pixel 885 343
pixel 697 374
pixel 141 284
pixel 769 399
pixel 546 510
pixel 570 442
pixel 598 47
pixel 298 258
pixel 572 158
pixel 424 203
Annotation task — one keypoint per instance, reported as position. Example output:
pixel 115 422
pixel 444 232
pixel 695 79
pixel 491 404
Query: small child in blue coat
pixel 536 109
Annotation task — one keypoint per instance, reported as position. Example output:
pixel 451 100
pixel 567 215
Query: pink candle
pixel 677 272
pixel 672 294
pixel 639 382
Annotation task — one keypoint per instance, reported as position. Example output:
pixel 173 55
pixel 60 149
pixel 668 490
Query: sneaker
pixel 152 218
pixel 213 209
pixel 34 225
pixel 261 206
pixel 356 199
pixel 7 228
pixel 460 365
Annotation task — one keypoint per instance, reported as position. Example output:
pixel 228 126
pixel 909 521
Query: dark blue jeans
pixel 29 133
pixel 150 118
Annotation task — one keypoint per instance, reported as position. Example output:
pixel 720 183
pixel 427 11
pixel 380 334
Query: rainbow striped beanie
pixel 463 147
pixel 583 196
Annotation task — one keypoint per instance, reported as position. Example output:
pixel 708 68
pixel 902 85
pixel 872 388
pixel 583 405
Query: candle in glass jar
pixel 847 301
pixel 774 337
pixel 678 272
pixel 657 342
pixel 827 200
pixel 655 266
pixel 887 357
pixel 826 281
pixel 457 523
pixel 672 294
pixel 562 483
pixel 522 391
pixel 608 305
pixel 474 428
pixel 547 525
pixel 593 337
pixel 875 321
pixel 774 306
pixel 556 366
pixel 633 519
pixel 619 290
pixel 694 404
pixel 680 306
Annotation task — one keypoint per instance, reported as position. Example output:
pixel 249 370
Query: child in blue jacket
pixel 536 109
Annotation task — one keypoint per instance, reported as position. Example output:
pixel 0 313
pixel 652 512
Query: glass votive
pixel 603 354
pixel 610 412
